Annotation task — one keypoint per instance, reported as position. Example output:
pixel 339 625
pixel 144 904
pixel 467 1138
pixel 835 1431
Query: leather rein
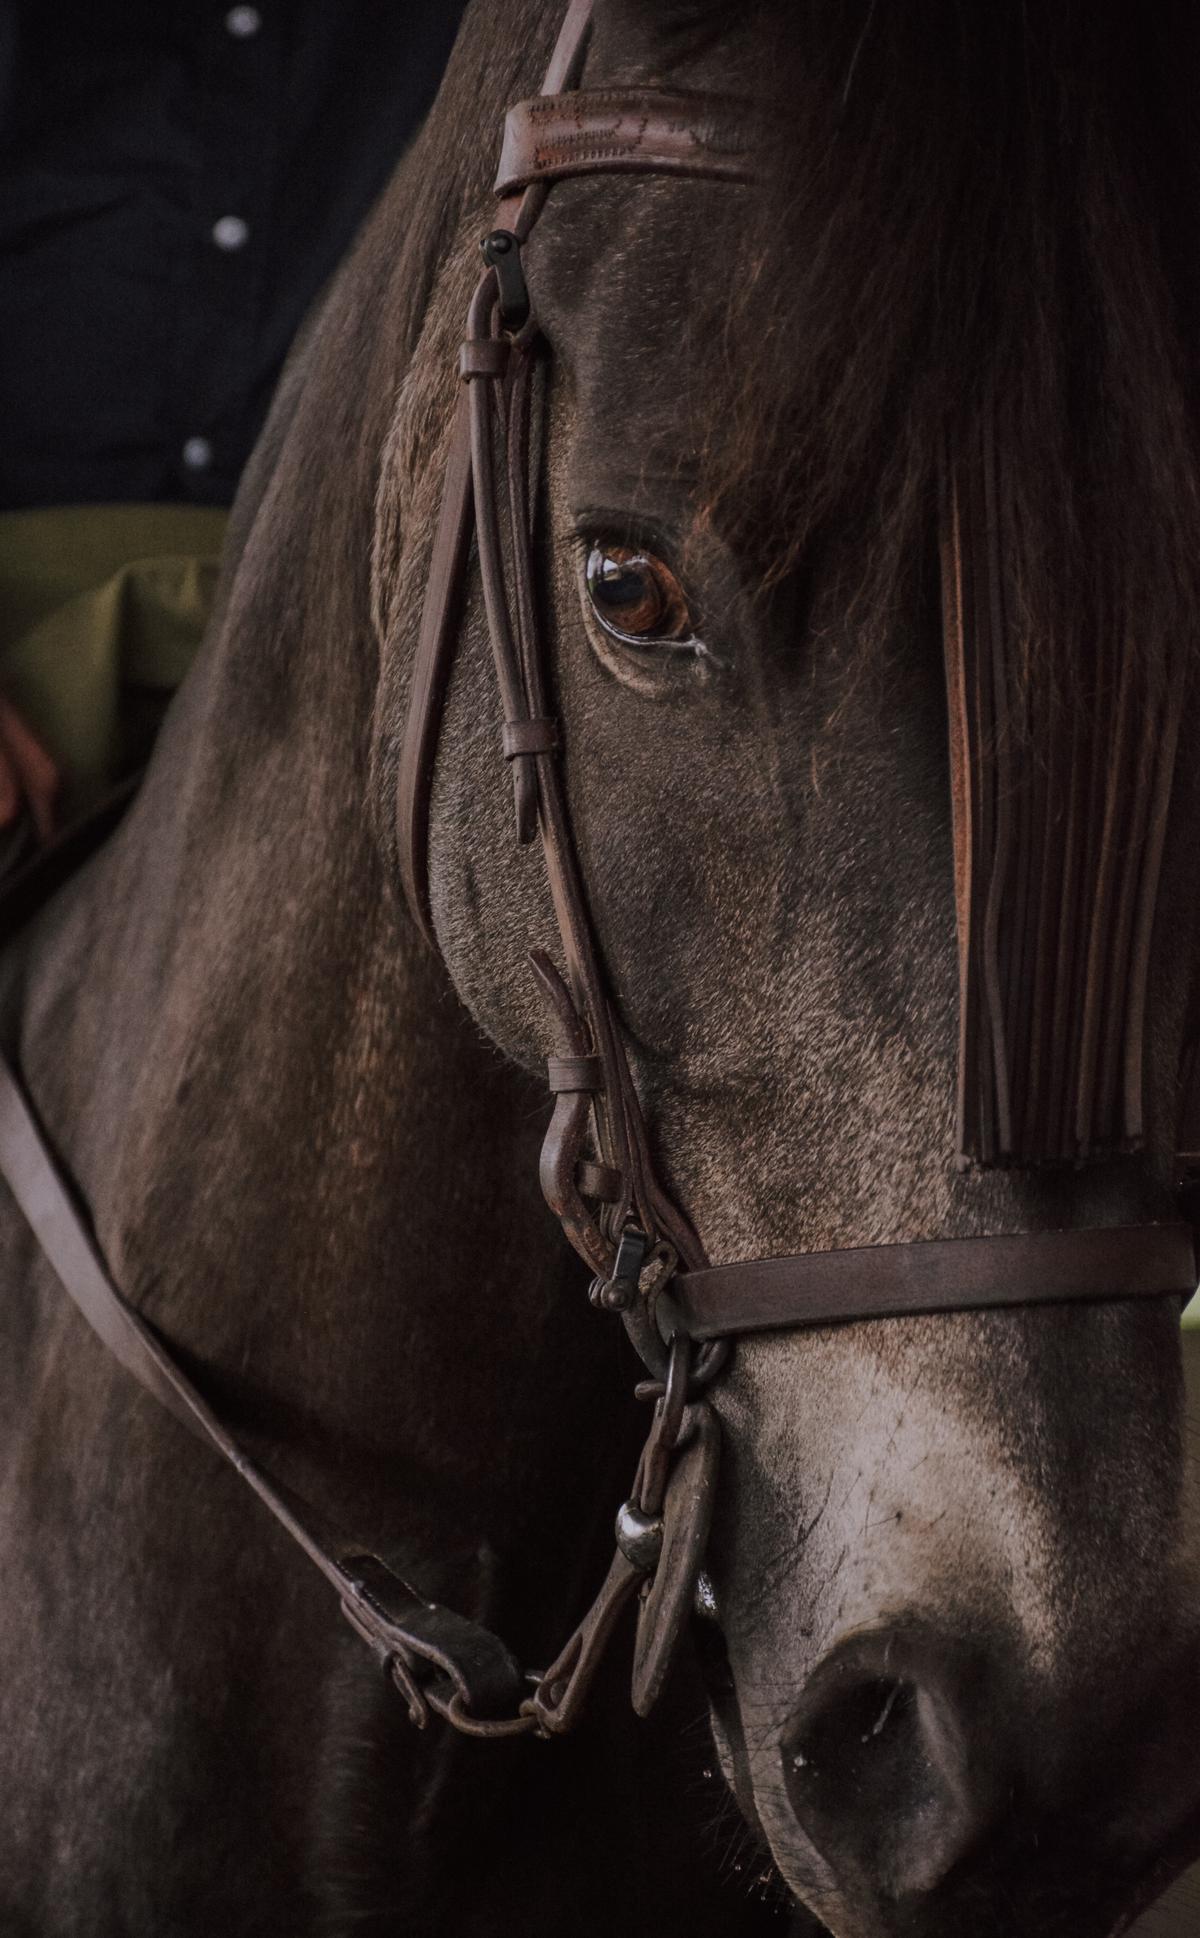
pixel 597 1169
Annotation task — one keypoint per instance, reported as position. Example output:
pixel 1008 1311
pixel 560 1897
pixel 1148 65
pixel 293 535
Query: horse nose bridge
pixel 897 1759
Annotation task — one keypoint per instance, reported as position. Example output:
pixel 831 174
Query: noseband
pixel 597 1168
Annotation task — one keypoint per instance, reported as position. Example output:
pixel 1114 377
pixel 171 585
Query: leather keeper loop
pixel 574 1073
pixel 529 737
pixel 598 1181
pixel 483 356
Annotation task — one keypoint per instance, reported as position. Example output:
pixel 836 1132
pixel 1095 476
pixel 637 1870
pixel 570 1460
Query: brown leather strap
pixel 566 61
pixel 597 1181
pixel 568 1074
pixel 404 1626
pixel 941 1275
pixel 431 672
pixel 520 737
pixel 484 357
pixel 625 131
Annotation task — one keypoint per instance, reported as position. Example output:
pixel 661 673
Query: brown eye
pixel 638 598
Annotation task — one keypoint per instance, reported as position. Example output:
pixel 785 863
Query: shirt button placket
pixel 231 159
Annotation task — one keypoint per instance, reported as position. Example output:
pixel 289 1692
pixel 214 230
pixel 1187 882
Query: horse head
pixel 949 1601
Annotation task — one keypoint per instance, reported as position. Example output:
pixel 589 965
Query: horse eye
pixel 637 598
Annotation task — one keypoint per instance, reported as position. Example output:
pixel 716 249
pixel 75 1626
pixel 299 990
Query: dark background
pixel 177 181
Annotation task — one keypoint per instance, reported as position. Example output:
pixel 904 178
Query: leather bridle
pixel 597 1167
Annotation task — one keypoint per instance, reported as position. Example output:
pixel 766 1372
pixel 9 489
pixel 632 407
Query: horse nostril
pixel 878 1765
pixel 868 1723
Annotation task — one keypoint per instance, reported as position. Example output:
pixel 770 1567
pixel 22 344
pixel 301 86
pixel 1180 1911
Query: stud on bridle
pixel 597 1167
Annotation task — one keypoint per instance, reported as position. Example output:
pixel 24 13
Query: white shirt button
pixel 197 454
pixel 230 232
pixel 243 22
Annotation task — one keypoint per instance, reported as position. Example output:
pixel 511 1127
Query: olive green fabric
pixel 101 610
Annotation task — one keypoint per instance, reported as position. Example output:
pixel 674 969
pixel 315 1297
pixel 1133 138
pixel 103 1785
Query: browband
pixel 937 1275
pixel 630 131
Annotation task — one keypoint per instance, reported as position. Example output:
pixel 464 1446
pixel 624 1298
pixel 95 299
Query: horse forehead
pixel 631 276
pixel 677 44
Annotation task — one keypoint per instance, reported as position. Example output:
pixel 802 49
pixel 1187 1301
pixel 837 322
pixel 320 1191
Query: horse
pixel 948 1604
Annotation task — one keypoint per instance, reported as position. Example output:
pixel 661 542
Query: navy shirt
pixel 177 182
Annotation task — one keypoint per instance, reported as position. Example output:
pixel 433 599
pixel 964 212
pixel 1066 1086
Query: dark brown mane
pixel 978 207
pixel 966 307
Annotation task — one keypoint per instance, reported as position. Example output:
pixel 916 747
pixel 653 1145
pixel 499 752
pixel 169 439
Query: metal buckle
pixel 502 254
pixel 618 1292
